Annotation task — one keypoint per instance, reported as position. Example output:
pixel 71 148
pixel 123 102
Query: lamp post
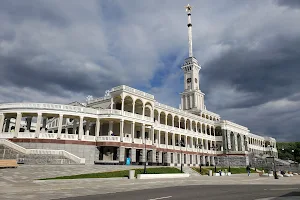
pixel 145 150
pixel 181 144
pixel 293 151
pixel 199 146
pixel 227 155
pixel 214 148
pixel 274 164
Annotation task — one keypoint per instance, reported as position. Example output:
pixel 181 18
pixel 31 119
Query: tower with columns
pixel 192 99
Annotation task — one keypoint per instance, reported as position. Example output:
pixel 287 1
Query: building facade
pixel 129 125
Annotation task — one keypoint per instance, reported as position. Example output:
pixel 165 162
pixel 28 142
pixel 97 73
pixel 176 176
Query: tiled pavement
pixel 19 183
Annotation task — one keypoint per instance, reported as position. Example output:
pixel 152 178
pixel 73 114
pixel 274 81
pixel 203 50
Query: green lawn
pixel 233 170
pixel 123 173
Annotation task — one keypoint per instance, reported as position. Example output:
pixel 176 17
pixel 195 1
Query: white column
pixel 185 141
pixel 110 128
pixel 143 110
pixel 235 142
pixel 87 127
pixel 132 131
pixel 242 143
pixel 97 128
pixel 1 122
pixel 38 125
pixel 17 125
pixel 186 102
pixel 121 129
pixel 133 107
pixel 80 134
pixel 111 103
pixel 59 126
pixel 191 99
pixel 122 106
pixel 173 121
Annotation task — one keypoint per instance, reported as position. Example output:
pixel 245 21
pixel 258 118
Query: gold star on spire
pixel 188 8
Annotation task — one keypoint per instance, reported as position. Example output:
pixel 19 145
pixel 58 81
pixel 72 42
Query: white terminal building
pixel 129 123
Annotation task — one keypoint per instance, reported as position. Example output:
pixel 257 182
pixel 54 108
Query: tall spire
pixel 188 9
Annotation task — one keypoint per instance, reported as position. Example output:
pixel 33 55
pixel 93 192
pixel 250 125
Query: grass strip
pixel 118 174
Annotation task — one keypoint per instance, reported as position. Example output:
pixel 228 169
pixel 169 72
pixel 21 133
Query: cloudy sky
pixel 61 51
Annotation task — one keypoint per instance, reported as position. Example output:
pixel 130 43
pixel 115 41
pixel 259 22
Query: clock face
pixel 188 80
pixel 196 80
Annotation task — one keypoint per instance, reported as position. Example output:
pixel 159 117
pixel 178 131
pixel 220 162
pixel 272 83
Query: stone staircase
pixel 10 150
pixel 190 171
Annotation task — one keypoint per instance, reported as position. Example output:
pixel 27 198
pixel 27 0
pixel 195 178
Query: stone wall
pixel 89 152
pixel 234 160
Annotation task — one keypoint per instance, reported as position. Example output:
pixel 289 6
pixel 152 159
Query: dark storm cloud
pixel 289 3
pixel 49 76
pixel 18 11
pixel 269 72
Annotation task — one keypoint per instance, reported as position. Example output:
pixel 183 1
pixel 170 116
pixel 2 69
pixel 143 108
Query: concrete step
pixel 190 171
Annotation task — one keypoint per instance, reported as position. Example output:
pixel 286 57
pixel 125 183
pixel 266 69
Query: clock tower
pixel 192 99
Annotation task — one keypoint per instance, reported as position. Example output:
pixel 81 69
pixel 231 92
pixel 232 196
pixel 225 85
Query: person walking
pixel 248 170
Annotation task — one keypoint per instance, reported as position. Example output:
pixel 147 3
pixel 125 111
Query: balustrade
pixel 138 141
pixel 88 137
pixel 26 135
pixel 127 140
pixel 48 136
pixel 108 139
pixel 69 137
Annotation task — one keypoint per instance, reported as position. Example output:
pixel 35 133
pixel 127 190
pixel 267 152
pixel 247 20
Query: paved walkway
pixel 20 183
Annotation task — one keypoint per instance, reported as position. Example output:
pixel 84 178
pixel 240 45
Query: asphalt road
pixel 207 192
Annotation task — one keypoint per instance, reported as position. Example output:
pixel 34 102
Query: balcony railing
pixel 69 137
pixel 108 139
pixel 127 140
pixel 26 135
pixel 138 140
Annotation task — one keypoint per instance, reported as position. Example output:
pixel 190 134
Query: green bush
pixel 233 170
